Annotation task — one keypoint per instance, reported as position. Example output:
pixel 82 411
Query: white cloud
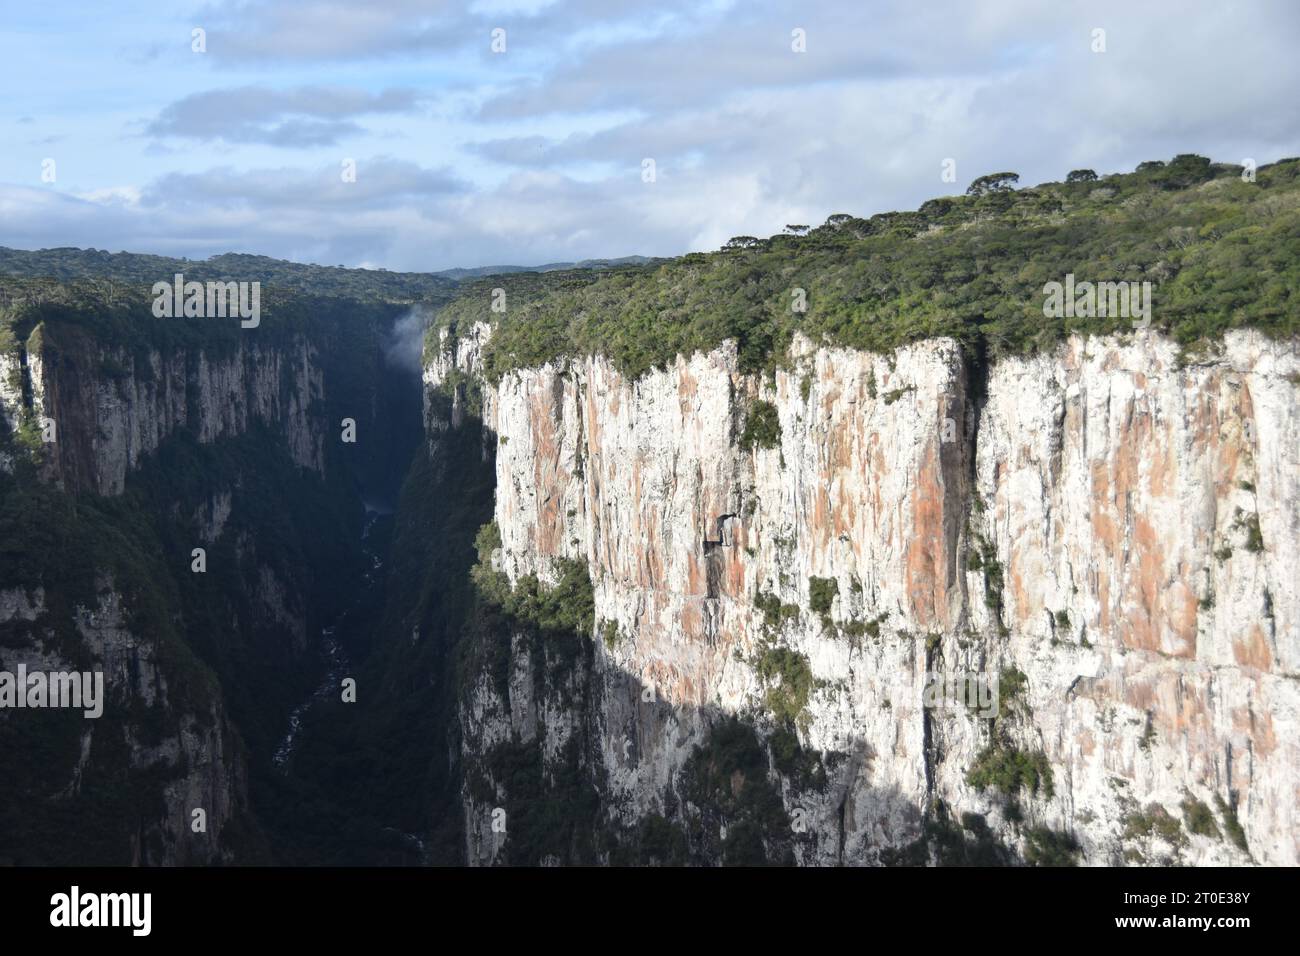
pixel 536 156
pixel 108 195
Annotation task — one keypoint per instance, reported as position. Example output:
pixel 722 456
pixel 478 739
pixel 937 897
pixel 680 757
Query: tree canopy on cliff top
pixel 108 296
pixel 379 285
pixel 1221 252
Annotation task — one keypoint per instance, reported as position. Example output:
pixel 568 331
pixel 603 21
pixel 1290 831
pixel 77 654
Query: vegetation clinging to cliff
pixel 726 778
pixel 762 426
pixel 789 680
pixel 1044 847
pixel 1219 251
pixel 568 605
pixel 1008 769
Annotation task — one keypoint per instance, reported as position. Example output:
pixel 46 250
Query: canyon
pixel 826 549
pixel 1105 533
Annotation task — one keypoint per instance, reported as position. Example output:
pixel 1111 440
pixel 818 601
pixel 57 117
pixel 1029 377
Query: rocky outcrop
pixel 184 743
pixel 1106 533
pixel 112 406
pixel 453 371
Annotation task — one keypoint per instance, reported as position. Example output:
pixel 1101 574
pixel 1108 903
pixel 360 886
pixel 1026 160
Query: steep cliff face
pixel 1103 537
pixel 1157 507
pixel 113 406
pixel 158 751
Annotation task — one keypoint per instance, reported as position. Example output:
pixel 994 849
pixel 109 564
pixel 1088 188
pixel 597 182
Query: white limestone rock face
pixel 1147 518
pixel 11 389
pixel 455 361
pixel 1117 528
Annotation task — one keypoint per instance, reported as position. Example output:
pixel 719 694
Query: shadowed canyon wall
pixel 231 445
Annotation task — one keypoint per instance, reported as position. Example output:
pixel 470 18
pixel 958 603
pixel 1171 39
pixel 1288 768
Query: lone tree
pixel 797 230
pixel 837 219
pixel 993 183
pixel 1185 169
pixel 1081 176
pixel 741 242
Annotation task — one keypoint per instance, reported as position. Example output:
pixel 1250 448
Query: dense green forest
pixel 132 268
pixel 109 295
pixel 1221 252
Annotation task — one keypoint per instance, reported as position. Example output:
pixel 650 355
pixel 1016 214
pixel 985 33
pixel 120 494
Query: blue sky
pixel 468 157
